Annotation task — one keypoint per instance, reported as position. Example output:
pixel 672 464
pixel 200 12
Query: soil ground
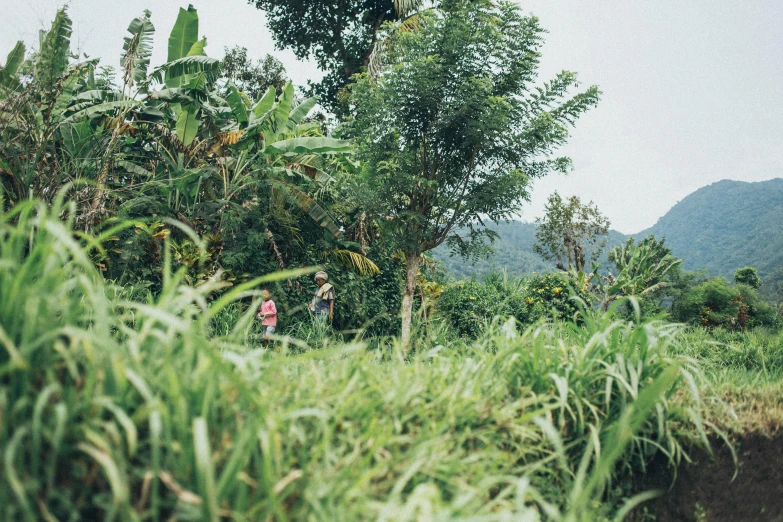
pixel 708 491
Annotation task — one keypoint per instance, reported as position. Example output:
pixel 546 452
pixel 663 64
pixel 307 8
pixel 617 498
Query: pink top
pixel 269 308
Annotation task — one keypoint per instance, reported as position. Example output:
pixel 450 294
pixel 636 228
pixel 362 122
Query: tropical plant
pixel 642 269
pixel 569 231
pixel 447 131
pixel 171 142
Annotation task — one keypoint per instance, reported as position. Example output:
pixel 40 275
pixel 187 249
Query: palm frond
pixel 353 260
pixel 306 203
pixel 406 7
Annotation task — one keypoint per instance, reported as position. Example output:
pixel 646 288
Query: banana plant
pixel 9 81
pixel 641 270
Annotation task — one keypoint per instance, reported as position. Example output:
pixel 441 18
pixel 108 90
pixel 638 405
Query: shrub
pixel 549 295
pixel 470 305
pixel 717 303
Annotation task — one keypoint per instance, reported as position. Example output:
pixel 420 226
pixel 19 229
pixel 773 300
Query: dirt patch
pixel 708 491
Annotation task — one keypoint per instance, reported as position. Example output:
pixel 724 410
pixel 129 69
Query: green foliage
pixel 469 306
pixel 337 35
pixel 137 50
pixel 447 131
pixel 568 231
pixel 759 350
pixel 553 296
pixel 716 303
pixel 417 112
pixel 747 276
pixel 252 78
pixel 643 270
pixel 249 177
pixel 153 409
pixel 725 226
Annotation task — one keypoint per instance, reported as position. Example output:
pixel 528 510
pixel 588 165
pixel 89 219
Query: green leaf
pixel 138 47
pixel 205 471
pixel 12 63
pixel 309 146
pixel 300 112
pixel 175 71
pixel 184 34
pixel 187 125
pixel 55 49
pixel 103 108
pixel 302 200
pixel 283 109
pixel 197 49
pixel 174 95
pixel 265 103
pixel 237 105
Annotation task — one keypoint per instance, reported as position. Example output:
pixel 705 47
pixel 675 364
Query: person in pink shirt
pixel 267 312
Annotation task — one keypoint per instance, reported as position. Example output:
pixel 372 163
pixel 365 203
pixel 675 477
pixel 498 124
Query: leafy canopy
pixel 452 130
pixel 747 275
pixel 337 34
pixel 568 229
pixel 252 77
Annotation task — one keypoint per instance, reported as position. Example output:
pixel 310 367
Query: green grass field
pixel 115 406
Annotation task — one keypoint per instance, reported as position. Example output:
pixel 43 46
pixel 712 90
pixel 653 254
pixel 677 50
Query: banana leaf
pixel 312 145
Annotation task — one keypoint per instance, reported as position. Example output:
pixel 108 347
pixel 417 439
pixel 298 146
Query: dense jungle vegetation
pixel 143 208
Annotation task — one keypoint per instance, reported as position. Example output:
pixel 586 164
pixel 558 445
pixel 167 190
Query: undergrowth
pixel 118 407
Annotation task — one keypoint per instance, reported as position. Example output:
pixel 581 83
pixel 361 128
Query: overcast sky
pixel 693 91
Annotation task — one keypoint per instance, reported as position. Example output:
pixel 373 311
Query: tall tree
pixel 252 77
pixel 452 131
pixel 337 34
pixel 747 275
pixel 568 229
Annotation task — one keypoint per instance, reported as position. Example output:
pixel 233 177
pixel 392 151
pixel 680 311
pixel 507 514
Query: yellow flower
pixel 557 291
pixel 472 298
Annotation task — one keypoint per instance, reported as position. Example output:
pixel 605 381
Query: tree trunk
pixel 412 260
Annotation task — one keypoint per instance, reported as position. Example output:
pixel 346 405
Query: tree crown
pixel 451 130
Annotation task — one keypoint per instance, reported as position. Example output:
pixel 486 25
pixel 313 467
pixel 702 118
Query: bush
pixel 717 303
pixel 747 276
pixel 550 295
pixel 470 305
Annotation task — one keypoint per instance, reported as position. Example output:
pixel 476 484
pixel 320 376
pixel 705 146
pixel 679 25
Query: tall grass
pixel 759 350
pixel 114 408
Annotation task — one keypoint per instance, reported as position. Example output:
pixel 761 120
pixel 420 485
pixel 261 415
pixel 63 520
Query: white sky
pixel 693 91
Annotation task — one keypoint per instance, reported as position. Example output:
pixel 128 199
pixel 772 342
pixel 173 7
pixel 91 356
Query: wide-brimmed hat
pixel 321 275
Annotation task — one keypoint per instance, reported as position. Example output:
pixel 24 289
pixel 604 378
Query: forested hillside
pixel 512 252
pixel 725 226
pixel 718 228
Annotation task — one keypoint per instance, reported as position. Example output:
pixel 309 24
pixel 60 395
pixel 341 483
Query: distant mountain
pixel 720 227
pixel 725 226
